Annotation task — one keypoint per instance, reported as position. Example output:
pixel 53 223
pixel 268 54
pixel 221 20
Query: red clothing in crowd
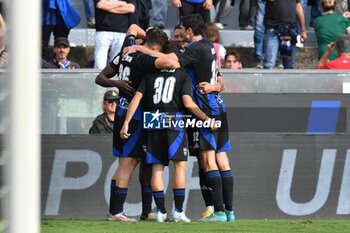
pixel 341 63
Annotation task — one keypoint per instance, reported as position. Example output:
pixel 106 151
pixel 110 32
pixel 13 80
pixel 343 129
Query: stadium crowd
pixel 277 30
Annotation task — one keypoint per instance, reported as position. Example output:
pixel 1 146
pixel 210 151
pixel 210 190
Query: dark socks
pixel 146 199
pixel 215 184
pixel 204 189
pixel 159 199
pixel 119 199
pixel 227 187
pixel 111 197
pixel 179 198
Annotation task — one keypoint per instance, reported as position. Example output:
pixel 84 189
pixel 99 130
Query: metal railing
pixel 71 99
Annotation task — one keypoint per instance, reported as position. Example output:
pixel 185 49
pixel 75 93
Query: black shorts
pixel 134 145
pixel 165 145
pixel 205 139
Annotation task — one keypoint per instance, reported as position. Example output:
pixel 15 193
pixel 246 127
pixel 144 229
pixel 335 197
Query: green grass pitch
pixel 249 226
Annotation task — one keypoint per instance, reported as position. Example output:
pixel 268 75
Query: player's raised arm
pixel 165 63
pixel 135 30
pixel 205 87
pixel 104 79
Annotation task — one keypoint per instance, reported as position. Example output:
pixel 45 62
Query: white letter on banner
pixel 344 195
pixel 59 182
pixel 283 198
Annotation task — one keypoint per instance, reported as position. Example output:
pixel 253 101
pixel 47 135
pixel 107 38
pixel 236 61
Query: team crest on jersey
pixel 182 50
pixel 127 58
pixel 186 152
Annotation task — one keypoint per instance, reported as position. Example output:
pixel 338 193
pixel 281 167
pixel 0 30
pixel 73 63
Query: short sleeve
pixel 142 86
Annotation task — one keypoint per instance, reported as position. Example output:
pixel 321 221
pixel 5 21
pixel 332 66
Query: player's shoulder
pixel 181 74
pixel 203 45
pixel 204 42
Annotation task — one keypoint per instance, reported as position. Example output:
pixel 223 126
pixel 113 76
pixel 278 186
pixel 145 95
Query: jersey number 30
pixel 163 89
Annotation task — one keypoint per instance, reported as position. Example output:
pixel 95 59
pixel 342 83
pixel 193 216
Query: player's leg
pixel 122 177
pixel 223 163
pixel 227 184
pixel 179 190
pixel 158 191
pixel 208 200
pixel 145 174
pixel 214 181
pixel 193 146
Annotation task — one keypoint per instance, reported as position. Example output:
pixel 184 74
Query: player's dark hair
pixel 195 22
pixel 177 26
pixel 172 47
pixel 156 36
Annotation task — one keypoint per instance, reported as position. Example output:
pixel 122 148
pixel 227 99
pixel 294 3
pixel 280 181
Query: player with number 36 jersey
pixel 130 70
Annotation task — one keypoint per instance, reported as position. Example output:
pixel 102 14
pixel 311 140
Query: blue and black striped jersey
pixel 199 60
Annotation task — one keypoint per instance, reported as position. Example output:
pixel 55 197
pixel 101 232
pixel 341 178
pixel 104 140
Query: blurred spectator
pixel 89 13
pixel 159 11
pixel 300 42
pixel 342 45
pixel 315 11
pixel 45 64
pixel 61 50
pixel 247 11
pixel 58 17
pixel 211 32
pixel 143 8
pixel 232 60
pixel 189 7
pixel 259 30
pixel 112 21
pixel 280 35
pixel 328 26
pixel 179 36
pixel 222 12
pixel 342 6
pixel 103 123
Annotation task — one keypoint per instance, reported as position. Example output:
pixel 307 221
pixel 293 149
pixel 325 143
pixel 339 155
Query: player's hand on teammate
pixel 211 123
pixel 125 87
pixel 131 49
pixel 124 132
pixel 205 88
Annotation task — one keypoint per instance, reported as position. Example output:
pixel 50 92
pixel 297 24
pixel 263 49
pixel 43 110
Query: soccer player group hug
pixel 169 83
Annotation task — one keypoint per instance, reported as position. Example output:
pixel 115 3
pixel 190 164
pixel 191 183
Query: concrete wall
pixel 277 176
